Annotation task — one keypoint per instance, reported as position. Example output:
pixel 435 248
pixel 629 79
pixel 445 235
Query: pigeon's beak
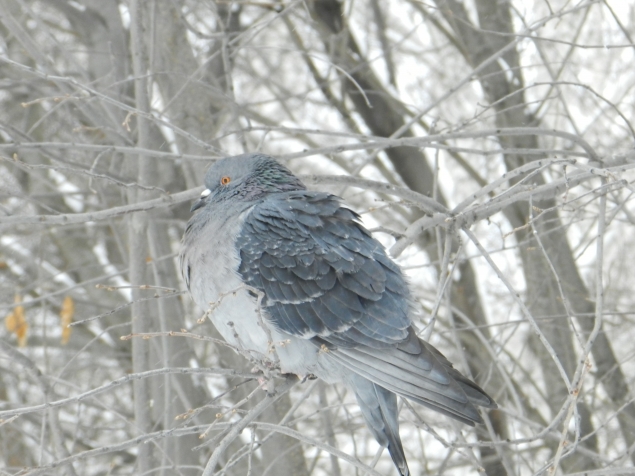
pixel 201 201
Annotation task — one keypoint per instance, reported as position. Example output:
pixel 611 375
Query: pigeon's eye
pixel 225 180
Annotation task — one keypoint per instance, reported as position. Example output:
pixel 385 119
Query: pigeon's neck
pixel 215 217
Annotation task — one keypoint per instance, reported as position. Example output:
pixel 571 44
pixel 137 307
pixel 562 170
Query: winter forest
pixel 488 144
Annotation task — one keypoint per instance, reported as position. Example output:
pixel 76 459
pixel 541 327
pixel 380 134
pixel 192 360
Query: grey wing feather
pixel 419 372
pixel 321 272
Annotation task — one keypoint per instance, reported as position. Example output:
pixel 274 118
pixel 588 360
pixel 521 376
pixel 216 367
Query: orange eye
pixel 225 180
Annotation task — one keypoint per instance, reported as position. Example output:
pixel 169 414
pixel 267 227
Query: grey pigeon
pixel 335 305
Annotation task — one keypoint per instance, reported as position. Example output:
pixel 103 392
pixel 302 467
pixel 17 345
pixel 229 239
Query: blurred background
pixel 504 130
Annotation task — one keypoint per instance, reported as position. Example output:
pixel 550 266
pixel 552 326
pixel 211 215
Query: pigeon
pixel 293 272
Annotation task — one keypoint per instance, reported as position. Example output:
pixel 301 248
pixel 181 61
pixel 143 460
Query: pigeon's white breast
pixel 216 287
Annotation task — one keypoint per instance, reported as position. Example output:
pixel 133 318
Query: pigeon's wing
pixel 323 277
pixel 321 272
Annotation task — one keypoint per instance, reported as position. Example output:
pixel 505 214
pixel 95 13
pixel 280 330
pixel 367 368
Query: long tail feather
pixel 379 407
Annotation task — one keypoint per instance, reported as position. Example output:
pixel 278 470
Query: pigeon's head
pixel 246 178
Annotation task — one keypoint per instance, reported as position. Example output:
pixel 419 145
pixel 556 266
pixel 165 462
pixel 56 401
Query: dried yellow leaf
pixel 66 317
pixel 15 322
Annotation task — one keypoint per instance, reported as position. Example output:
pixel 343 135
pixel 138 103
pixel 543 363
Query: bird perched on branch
pixel 295 270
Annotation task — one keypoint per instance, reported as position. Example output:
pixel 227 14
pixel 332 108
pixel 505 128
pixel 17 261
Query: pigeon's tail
pixel 379 407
